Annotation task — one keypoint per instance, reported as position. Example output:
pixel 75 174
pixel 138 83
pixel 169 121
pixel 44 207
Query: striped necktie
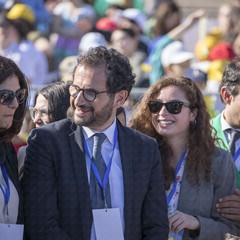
pixel 235 135
pixel 95 188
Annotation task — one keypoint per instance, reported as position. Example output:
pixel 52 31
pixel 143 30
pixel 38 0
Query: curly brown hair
pixel 8 68
pixel 201 143
pixel 117 67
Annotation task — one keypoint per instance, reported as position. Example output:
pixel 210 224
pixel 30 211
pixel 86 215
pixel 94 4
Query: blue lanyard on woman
pixel 103 183
pixel 5 191
pixel 170 195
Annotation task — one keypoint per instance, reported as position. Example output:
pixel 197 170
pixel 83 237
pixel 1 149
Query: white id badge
pixel 12 231
pixel 107 224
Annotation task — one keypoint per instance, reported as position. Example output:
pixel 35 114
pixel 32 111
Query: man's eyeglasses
pixel 35 112
pixel 172 107
pixel 88 94
pixel 7 96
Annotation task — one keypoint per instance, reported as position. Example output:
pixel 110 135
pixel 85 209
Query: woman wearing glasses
pixel 196 172
pixel 51 104
pixel 13 97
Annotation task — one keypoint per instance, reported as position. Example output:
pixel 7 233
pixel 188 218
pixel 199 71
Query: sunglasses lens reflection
pixel 7 96
pixel 174 107
pixel 155 107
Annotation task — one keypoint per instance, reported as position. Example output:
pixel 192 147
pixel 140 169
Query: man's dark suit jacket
pixel 57 199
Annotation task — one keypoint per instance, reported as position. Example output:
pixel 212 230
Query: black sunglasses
pixel 88 94
pixel 172 107
pixel 7 96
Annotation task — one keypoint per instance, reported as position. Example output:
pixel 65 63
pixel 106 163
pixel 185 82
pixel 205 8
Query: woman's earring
pixel 193 122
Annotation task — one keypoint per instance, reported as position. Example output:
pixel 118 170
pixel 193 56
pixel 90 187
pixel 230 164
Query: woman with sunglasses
pixel 196 172
pixel 50 105
pixel 13 97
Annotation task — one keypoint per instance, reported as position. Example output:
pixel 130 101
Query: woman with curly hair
pixel 174 113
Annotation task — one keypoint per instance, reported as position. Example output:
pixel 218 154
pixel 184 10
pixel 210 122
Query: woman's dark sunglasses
pixel 7 96
pixel 172 107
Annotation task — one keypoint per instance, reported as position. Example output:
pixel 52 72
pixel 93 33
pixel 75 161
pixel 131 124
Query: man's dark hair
pixel 118 70
pixel 231 77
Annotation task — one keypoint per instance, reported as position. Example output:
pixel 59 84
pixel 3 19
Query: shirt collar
pixel 224 123
pixel 109 132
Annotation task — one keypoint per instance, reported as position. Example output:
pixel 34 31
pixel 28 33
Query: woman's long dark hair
pixel 9 68
pixel 58 97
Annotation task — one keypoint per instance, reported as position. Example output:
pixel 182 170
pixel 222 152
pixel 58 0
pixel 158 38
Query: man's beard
pixel 95 118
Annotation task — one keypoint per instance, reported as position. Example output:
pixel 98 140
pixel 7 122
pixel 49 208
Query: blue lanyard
pixel 236 155
pixel 6 193
pixel 170 195
pixel 103 183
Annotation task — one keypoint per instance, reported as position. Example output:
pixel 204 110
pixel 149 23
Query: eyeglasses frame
pixel 83 90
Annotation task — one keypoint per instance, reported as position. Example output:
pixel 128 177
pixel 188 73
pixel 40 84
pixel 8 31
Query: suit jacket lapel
pixel 125 146
pixel 187 193
pixel 80 171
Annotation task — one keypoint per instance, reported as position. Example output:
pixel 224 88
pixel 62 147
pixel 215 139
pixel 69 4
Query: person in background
pixel 43 16
pixel 88 40
pixel 106 26
pixel 225 32
pixel 154 60
pixel 136 20
pixel 126 42
pixel 227 128
pixel 176 59
pixel 174 113
pixel 91 39
pixel 15 27
pixel 13 100
pixel 63 182
pixel 71 20
pixel 51 104
pixel 166 17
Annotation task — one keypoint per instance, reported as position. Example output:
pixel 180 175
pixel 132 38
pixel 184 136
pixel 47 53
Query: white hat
pixel 135 15
pixel 92 39
pixel 175 53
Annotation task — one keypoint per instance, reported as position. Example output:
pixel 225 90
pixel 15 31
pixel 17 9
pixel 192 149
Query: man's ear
pixel 226 96
pixel 120 98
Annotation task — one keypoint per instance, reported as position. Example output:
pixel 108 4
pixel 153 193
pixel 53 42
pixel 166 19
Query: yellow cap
pixel 21 11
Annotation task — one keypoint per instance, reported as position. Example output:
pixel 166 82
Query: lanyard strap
pixel 6 191
pixel 103 183
pixel 174 186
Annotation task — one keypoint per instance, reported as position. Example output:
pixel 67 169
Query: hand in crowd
pixel 191 18
pixel 229 206
pixel 179 221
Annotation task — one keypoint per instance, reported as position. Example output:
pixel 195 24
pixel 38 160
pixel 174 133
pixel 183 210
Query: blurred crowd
pixel 45 37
